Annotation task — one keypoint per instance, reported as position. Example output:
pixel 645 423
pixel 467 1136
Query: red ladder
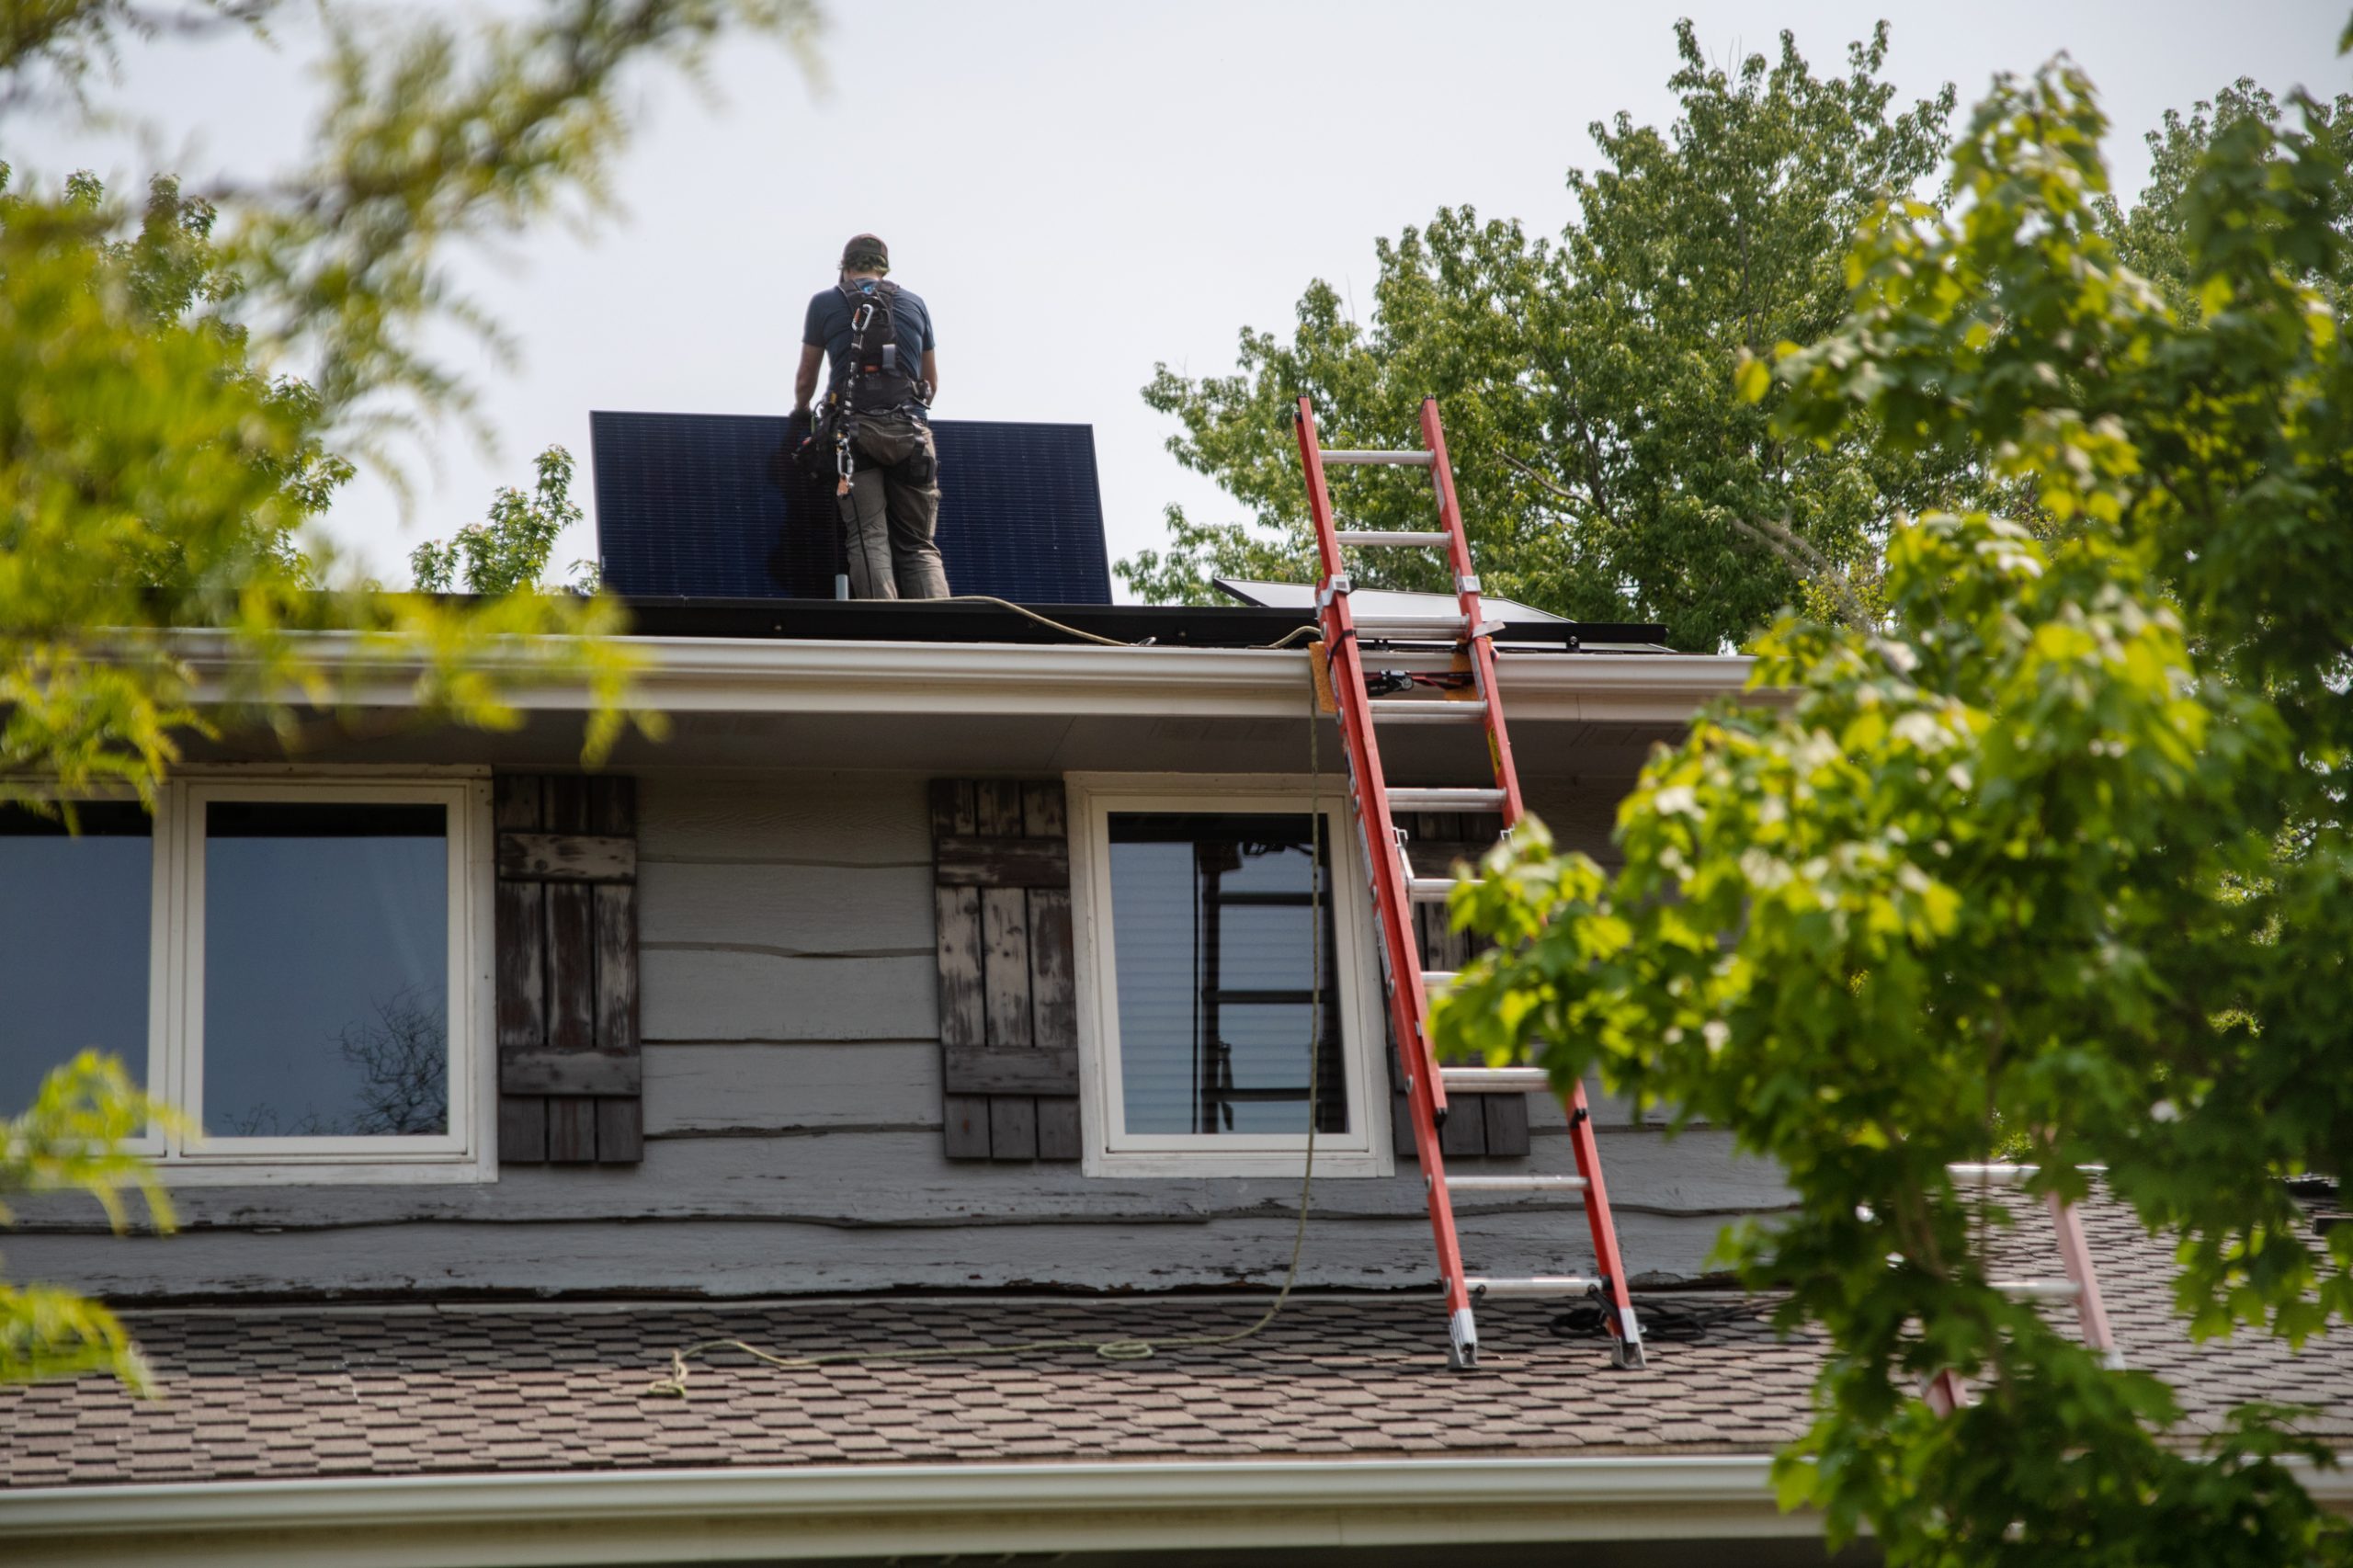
pixel 2079 1281
pixel 1462 640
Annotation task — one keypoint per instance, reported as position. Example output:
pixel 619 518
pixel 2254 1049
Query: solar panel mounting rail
pixel 1395 888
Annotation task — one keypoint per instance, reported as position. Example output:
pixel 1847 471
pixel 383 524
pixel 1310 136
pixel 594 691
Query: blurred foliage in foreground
pixel 2056 847
pixel 184 385
pixel 72 1140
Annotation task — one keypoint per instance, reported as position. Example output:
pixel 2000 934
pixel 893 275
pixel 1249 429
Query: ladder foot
pixel 1626 1345
pixel 1462 1342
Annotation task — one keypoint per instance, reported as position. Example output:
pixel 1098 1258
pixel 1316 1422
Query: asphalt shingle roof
pixel 296 1392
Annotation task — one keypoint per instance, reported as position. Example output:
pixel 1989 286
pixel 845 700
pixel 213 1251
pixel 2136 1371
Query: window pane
pixel 1215 957
pixel 74 930
pixel 326 982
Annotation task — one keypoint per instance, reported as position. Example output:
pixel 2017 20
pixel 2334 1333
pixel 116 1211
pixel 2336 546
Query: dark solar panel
pixel 705 505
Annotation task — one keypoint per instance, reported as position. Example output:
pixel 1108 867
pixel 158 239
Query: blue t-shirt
pixel 828 328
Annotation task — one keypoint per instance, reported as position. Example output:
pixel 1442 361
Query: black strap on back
pixel 878 374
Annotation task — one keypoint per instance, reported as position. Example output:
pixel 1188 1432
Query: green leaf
pixel 1753 379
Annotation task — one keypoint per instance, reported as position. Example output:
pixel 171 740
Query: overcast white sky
pixel 1128 182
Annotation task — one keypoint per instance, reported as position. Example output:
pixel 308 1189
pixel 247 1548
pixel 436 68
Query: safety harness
pixel 877 372
pixel 874 379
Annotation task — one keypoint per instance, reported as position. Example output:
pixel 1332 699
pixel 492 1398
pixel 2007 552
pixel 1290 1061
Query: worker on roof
pixel 875 419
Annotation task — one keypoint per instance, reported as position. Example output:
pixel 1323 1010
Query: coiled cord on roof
pixel 1668 1319
pixel 1296 633
pixel 1138 1348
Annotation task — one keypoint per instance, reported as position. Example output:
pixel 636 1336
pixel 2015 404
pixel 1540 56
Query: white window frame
pixel 1109 1150
pixel 188 1157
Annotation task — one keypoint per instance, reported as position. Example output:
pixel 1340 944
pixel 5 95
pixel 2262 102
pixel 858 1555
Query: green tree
pixel 508 551
pixel 2055 854
pixel 2149 237
pixel 1606 468
pixel 184 387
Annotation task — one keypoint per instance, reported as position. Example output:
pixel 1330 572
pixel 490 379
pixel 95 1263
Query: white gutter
pixel 763 675
pixel 775 1514
pixel 771 1513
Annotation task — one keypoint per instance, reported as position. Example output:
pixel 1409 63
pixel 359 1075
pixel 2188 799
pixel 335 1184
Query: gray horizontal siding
pixel 792 1098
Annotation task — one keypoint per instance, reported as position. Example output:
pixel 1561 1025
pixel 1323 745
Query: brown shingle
pixel 359 1391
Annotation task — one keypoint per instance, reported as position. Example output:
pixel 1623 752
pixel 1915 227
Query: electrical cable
pixel 1295 634
pixel 1139 1348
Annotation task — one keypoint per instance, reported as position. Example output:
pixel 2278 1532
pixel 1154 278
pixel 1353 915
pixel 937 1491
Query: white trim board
pixel 773 1513
pixel 686 675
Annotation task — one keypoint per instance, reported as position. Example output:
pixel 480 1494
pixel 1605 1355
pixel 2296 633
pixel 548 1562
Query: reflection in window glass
pixel 1214 958
pixel 73 942
pixel 327 984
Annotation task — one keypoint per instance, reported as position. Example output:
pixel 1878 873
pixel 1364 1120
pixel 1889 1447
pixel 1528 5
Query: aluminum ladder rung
pixel 1430 890
pixel 2038 1289
pixel 1990 1175
pixel 1393 538
pixel 1515 1183
pixel 1403 459
pixel 1424 711
pixel 2003 1175
pixel 1495 1080
pixel 1446 800
pixel 1533 1285
pixel 1439 979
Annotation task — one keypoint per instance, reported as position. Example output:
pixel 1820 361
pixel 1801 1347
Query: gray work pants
pixel 892 510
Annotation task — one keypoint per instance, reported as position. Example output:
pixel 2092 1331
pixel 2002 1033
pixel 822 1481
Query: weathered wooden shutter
pixel 569 1070
pixel 1008 1006
pixel 1492 1125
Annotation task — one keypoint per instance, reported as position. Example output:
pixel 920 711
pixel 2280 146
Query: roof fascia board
pixel 774 1513
pixel 770 1513
pixel 759 676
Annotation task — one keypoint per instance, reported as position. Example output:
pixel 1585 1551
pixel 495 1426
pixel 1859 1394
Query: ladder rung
pixel 1446 630
pixel 1405 460
pixel 1446 800
pixel 1990 1175
pixel 1515 1183
pixel 1421 711
pixel 1429 890
pixel 1392 537
pixel 1439 979
pixel 1495 1080
pixel 2039 1289
pixel 2002 1175
pixel 1534 1284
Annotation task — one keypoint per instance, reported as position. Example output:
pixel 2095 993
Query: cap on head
pixel 866 252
